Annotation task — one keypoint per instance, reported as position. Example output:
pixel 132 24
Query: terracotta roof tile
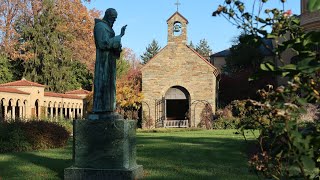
pixel 12 90
pixel 79 91
pixel 52 94
pixel 22 82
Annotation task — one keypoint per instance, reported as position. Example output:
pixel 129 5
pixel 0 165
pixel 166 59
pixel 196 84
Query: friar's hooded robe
pixel 108 48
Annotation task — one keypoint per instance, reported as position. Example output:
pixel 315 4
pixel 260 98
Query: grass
pixel 218 154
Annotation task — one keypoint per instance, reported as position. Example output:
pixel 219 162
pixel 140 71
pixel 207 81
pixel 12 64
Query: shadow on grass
pixel 175 157
pixel 45 164
pixel 164 156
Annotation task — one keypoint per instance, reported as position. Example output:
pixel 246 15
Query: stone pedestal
pixel 104 148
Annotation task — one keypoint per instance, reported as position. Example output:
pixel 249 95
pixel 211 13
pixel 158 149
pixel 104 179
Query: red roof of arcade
pixel 52 94
pixel 12 90
pixel 22 82
pixel 79 91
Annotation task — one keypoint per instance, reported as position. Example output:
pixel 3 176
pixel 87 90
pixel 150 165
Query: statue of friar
pixel 108 48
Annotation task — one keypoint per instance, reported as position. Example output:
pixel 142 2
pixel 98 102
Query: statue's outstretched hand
pixel 123 30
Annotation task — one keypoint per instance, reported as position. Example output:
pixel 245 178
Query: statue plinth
pixel 104 148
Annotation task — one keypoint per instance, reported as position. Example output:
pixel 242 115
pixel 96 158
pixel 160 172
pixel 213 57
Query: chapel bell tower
pixel 177 29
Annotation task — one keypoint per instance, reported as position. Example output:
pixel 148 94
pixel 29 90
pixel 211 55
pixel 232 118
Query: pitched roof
pixel 143 67
pixel 223 53
pixel 264 50
pixel 22 82
pixel 12 90
pixel 52 94
pixel 215 70
pixel 79 91
pixel 179 15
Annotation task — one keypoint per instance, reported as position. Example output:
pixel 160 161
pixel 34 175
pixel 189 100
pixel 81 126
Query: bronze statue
pixel 108 49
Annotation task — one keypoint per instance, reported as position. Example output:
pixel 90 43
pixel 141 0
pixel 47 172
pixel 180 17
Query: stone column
pixel 70 114
pixel 45 112
pixel 24 113
pixel 51 112
pixel 81 113
pixel 73 113
pixel 20 112
pixel 78 113
pixel 5 113
pixel 13 117
pixel 61 112
pixel 56 114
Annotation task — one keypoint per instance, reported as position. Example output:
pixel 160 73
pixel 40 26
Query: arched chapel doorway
pixel 177 107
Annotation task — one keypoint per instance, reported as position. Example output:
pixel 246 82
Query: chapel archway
pixel 177 104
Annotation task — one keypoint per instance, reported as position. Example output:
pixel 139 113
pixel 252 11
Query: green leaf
pixel 285 74
pixel 296 20
pixel 313 5
pixel 289 67
pixel 271 36
pixel 302 101
pixel 309 166
pixel 267 66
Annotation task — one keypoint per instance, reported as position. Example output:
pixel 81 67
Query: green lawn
pixel 218 154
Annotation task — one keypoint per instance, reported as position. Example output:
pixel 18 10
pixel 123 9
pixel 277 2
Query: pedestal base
pixel 104 148
pixel 103 174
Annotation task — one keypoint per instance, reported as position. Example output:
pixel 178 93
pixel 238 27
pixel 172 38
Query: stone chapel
pixel 178 82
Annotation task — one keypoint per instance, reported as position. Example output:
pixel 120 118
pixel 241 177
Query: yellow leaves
pixel 128 94
pixel 76 24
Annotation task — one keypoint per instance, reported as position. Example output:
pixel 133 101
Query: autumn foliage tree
pixel 288 146
pixel 129 94
pixel 50 37
pixel 10 11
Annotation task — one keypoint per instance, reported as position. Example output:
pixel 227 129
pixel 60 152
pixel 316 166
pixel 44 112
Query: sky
pixel 146 20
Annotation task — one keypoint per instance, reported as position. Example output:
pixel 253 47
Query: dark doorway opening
pixel 177 109
pixel 177 105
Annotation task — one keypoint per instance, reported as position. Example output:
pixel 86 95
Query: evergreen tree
pixel 191 45
pixel 82 74
pixel 51 62
pixel 203 48
pixel 245 54
pixel 151 51
pixel 5 70
pixel 123 65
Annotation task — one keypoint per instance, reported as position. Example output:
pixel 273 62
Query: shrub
pixel 13 138
pixel 147 121
pixel 33 135
pixel 225 123
pixel 206 117
pixel 288 147
pixel 312 113
pixel 67 124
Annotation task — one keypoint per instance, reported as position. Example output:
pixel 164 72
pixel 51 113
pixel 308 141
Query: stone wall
pixel 178 65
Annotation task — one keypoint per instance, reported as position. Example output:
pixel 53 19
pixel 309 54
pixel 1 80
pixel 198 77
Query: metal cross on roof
pixel 177 3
